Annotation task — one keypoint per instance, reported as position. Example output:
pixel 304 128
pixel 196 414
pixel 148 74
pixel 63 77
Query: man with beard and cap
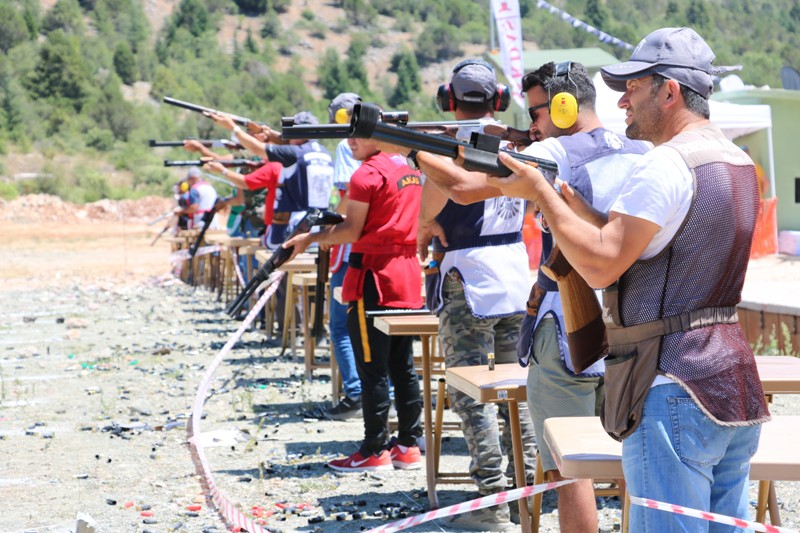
pixel 682 388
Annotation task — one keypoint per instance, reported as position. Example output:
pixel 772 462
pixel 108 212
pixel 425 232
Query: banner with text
pixel 509 35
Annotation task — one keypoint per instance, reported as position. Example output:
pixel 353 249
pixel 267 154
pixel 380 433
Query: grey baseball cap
pixel 679 54
pixel 194 172
pixel 305 117
pixel 474 80
pixel 344 101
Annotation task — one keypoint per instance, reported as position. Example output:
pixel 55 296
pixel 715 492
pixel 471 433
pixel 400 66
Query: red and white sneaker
pixel 406 457
pixel 359 463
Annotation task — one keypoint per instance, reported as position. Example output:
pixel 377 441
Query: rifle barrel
pixel 242 121
pixel 201 162
pixel 209 143
pixel 479 154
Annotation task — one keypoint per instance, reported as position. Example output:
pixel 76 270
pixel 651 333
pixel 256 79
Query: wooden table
pixel 228 280
pixel 780 374
pixel 304 262
pixel 506 383
pixel 426 326
pixel 582 449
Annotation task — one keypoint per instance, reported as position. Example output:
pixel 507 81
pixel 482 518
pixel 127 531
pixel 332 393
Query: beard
pixel 647 121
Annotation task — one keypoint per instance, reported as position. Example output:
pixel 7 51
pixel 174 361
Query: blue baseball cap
pixel 305 117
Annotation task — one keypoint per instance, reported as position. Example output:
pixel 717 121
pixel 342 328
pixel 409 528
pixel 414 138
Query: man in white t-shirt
pixel 672 256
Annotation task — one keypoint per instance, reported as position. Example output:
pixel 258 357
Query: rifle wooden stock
pixel 507 133
pixel 242 121
pixel 208 143
pixel 586 332
pixel 223 162
pixel 479 154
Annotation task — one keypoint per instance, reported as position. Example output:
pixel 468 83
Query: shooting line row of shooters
pixel 367 121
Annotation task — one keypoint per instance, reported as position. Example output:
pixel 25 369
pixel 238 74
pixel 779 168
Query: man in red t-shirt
pixel 384 273
pixel 265 176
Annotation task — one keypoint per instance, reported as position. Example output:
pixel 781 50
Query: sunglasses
pixel 533 112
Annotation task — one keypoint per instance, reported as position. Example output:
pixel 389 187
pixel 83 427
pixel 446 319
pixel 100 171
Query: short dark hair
pixel 476 107
pixel 695 102
pixel 578 84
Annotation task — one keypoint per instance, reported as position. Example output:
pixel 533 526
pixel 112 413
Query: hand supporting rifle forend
pixel 479 154
pixel 314 217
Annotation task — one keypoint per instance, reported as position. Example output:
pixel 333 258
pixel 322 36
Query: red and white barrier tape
pixel 236 267
pixel 472 505
pixel 224 506
pixel 711 517
pixel 182 255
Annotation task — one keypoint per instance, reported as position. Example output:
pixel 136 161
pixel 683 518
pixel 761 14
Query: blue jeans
pixel 340 338
pixel 680 456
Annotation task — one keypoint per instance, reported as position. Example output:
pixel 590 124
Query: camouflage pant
pixel 466 340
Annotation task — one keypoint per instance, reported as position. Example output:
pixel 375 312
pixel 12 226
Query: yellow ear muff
pixel 341 116
pixel 184 186
pixel 564 110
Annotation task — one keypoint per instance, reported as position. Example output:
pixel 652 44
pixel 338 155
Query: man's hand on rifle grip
pixel 300 243
pixel 523 180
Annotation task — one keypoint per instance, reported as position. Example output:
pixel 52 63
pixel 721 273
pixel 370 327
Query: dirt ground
pixel 101 354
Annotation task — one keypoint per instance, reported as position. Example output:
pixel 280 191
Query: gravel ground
pixel 95 388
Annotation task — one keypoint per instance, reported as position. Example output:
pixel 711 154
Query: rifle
pixel 161 217
pixel 479 154
pixel 314 217
pixel 208 217
pixel 341 131
pixel 162 232
pixel 208 143
pixel 583 318
pixel 323 267
pixel 223 162
pixel 242 121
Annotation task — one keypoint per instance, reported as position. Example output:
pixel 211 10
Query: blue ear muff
pixel 564 106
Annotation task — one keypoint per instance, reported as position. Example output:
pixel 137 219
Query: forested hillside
pixel 81 81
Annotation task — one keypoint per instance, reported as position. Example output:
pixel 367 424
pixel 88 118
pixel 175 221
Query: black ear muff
pixel 564 106
pixel 444 98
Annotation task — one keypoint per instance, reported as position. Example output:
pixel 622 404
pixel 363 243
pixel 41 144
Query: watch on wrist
pixel 411 160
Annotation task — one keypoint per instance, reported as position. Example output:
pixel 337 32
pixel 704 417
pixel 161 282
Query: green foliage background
pixel 62 70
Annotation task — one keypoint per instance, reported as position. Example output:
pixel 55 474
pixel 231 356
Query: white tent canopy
pixel 733 119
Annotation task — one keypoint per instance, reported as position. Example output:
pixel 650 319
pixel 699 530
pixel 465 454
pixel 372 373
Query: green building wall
pixel 785 107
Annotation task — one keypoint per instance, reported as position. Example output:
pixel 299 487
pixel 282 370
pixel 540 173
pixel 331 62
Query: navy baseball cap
pixel 679 54
pixel 305 117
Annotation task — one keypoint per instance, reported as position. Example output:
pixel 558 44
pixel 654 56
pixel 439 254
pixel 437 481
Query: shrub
pixel 8 190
